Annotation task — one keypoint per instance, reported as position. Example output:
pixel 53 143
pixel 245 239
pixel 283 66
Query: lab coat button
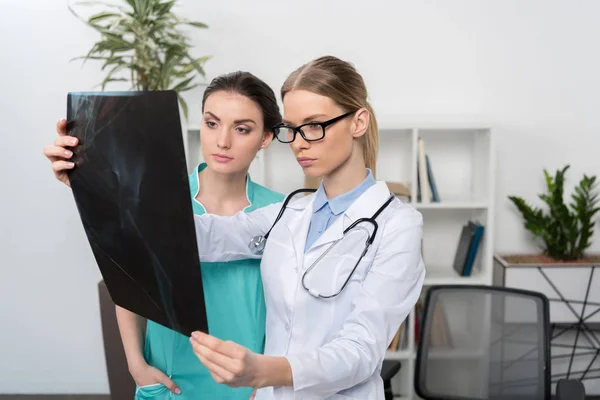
pixel 287 327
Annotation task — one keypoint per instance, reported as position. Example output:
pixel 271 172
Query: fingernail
pixel 177 391
pixel 70 165
pixel 68 153
pixel 73 141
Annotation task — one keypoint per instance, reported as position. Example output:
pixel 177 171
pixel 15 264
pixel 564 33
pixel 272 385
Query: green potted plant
pixel 565 231
pixel 563 271
pixel 142 43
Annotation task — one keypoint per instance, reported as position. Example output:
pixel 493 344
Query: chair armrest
pixel 569 389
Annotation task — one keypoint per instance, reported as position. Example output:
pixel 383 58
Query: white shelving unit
pixel 463 163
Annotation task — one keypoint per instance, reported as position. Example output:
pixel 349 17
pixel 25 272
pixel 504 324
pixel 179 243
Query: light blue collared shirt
pixel 325 211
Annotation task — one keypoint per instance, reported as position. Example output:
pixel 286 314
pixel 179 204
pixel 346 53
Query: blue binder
pixel 477 230
pixel 466 250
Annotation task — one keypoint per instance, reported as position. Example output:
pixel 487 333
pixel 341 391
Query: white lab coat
pixel 335 347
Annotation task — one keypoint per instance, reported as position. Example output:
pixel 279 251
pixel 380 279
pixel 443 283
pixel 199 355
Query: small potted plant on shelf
pixel 565 230
pixel 141 43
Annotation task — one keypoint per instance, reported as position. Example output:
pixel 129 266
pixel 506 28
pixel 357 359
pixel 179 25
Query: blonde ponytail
pixel 370 141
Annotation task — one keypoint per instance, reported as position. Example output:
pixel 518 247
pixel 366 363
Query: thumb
pixel 61 127
pixel 165 380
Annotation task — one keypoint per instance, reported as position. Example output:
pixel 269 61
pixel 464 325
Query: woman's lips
pixel 221 158
pixel 305 161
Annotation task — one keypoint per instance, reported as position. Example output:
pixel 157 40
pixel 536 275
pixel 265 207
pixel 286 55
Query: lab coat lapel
pixel 298 226
pixel 370 201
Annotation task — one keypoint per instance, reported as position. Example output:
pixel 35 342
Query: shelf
pixel 399 355
pixel 390 123
pixel 457 130
pixel 449 277
pixel 452 205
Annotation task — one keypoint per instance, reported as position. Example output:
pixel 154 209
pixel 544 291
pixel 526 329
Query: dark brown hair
pixel 248 85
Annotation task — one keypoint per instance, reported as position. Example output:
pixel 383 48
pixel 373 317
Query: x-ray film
pixel 131 188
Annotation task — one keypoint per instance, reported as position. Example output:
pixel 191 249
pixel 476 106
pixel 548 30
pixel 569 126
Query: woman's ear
pixel 267 139
pixel 361 122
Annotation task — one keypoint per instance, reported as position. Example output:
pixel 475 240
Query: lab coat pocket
pixel 156 391
pixel 351 262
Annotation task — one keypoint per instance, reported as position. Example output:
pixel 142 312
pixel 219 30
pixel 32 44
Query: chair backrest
pixel 482 342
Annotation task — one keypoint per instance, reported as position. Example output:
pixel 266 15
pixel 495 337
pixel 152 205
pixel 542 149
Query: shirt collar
pixel 340 203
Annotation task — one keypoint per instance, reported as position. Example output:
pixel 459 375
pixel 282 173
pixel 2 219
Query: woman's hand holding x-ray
pixel 229 363
pixel 236 366
pixel 59 153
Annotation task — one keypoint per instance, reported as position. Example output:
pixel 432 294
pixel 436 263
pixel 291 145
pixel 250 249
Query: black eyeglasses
pixel 311 131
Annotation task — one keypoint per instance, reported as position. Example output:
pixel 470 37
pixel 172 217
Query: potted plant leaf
pixel 142 43
pixel 564 231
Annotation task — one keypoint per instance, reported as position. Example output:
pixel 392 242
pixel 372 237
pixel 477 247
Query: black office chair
pixel 388 370
pixel 482 342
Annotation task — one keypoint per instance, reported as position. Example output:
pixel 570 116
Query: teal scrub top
pixel 235 307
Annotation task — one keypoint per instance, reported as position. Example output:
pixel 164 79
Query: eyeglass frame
pixel 297 129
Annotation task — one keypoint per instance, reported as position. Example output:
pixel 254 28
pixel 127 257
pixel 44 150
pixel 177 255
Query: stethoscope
pixel 257 245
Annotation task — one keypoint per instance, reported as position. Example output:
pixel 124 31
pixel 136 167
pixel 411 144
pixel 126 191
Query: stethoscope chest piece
pixel 257 245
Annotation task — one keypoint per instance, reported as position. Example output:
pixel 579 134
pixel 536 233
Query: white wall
pixel 529 69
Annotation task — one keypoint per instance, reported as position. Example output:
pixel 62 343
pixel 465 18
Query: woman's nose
pixel 299 143
pixel 224 139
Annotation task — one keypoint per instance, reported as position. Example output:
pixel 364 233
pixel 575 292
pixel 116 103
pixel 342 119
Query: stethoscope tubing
pixel 284 206
pixel 257 244
pixel 368 243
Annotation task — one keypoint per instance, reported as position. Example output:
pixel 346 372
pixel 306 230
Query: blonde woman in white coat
pixel 322 342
